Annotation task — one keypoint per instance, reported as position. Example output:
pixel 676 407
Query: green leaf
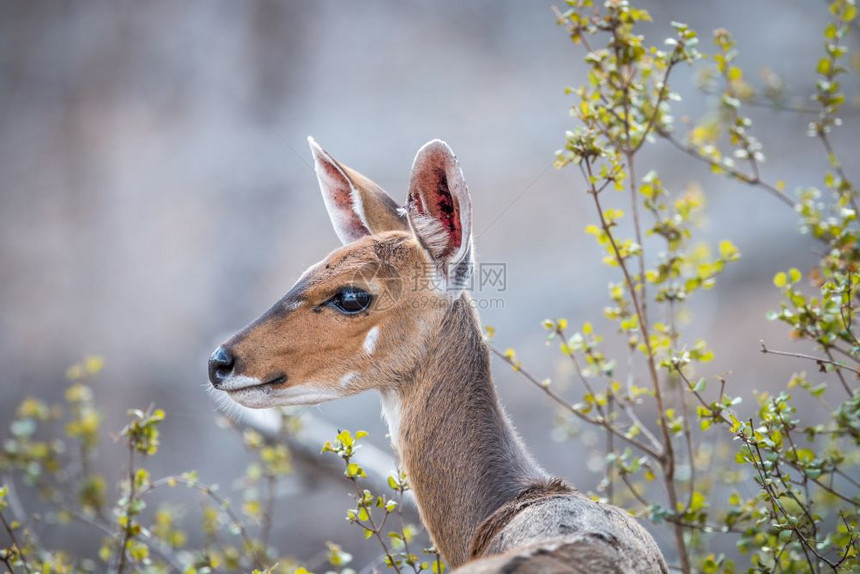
pixel 345 438
pixel 794 275
pixel 728 250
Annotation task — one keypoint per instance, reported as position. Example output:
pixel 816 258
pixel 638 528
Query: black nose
pixel 220 366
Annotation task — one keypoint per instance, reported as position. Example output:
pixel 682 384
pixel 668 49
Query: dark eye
pixel 351 300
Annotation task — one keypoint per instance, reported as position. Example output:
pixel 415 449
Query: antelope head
pixel 365 316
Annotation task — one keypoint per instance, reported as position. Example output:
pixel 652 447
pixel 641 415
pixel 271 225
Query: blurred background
pixel 157 196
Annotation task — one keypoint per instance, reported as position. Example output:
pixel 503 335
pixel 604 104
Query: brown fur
pixel 461 454
pixel 306 341
pixel 574 530
pixel 496 522
pixel 479 493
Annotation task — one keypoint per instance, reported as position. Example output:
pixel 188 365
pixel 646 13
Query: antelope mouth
pixel 278 379
pixel 247 383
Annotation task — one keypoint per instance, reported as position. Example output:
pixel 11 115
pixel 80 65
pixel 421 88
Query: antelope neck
pixel 462 455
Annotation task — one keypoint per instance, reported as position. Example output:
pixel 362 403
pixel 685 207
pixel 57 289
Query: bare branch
pixel 819 360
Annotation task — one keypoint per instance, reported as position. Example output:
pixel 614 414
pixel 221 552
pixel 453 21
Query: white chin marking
pixel 253 397
pixel 391 412
pixel 370 340
pixel 237 382
pixel 265 396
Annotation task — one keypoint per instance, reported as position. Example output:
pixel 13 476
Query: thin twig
pixel 668 460
pixel 820 360
pixel 738 175
pixel 126 530
pixel 569 407
pixel 11 532
pixel 224 504
pixel 377 531
pixel 675 518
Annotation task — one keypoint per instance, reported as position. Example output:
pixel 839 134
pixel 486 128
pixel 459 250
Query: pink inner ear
pixel 447 209
pixel 340 198
pixel 441 205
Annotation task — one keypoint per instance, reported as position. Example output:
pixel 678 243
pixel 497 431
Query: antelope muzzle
pixel 221 365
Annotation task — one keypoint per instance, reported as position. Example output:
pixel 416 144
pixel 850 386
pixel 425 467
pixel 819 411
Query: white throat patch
pixel 347 379
pixel 391 412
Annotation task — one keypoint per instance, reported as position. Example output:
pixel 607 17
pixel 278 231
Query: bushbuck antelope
pixel 360 320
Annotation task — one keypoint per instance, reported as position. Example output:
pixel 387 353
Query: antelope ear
pixel 355 205
pixel 439 210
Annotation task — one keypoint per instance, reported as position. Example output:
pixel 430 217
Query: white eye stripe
pixel 370 340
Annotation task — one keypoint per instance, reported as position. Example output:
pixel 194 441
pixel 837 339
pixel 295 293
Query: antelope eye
pixel 351 300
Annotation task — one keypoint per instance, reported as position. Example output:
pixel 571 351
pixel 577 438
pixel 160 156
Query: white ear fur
pixel 434 237
pixel 440 211
pixel 342 199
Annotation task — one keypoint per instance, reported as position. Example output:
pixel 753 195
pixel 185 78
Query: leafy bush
pixel 804 513
pixel 52 449
pixel 804 516
pixel 397 554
